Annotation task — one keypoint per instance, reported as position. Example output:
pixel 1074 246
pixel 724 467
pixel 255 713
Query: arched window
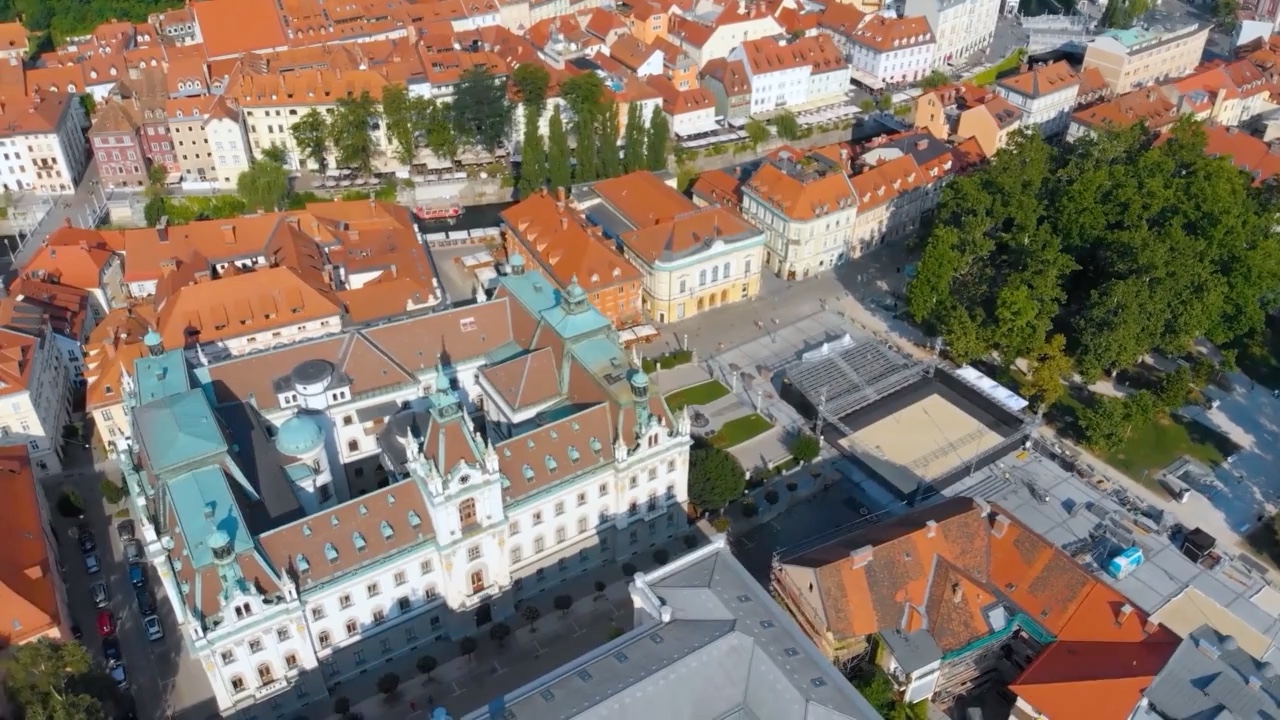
pixel 237 684
pixel 265 676
pixel 477 581
pixel 467 512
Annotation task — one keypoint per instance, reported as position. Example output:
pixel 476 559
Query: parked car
pixel 87 542
pixel 111 649
pixel 137 574
pixel 155 630
pixel 124 529
pixel 91 564
pixel 117 673
pixel 106 624
pixel 133 551
pixel 146 603
pixel 101 596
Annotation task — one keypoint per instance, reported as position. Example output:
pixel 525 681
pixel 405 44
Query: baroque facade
pixel 528 451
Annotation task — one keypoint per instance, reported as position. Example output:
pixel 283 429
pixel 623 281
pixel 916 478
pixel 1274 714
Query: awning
pixel 702 128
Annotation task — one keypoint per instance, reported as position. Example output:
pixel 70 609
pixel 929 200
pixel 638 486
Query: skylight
pixel 621 657
pixel 331 552
pixel 584 676
pixel 414 520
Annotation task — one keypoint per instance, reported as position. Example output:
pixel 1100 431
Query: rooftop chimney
pixel 999 525
pixel 983 507
pixel 564 222
pixel 861 556
pixel 957 593
pixel 229 234
pixel 930 528
pixel 921 144
pixel 1151 627
pixel 560 194
pixel 66 222
pixel 1125 611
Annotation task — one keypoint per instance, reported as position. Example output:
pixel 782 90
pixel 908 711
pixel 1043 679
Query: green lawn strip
pixel 700 394
pixel 739 430
pixel 991 74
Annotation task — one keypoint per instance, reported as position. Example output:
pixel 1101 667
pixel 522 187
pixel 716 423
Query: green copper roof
pixel 178 430
pixel 157 377
pixel 202 501
pixel 299 435
pixel 540 296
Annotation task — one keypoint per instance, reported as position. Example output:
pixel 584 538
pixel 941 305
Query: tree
pixel 112 492
pixel 351 133
pixel 599 586
pixel 88 104
pixel 771 496
pixel 480 110
pixel 264 186
pixel 757 132
pixel 559 172
pixel 584 94
pixel 805 447
pixel 1171 394
pixel 585 152
pixel 607 144
pixel 531 613
pixel 533 161
pixel 562 603
pixel 661 556
pixel 934 80
pixel 399 121
pixel 311 134
pixel 156 175
pixel 388 684
pixel 426 665
pixel 531 81
pixel 499 632
pixel 467 646
pixel 1105 424
pixel 658 140
pixel 46 679
pixel 275 153
pixel 1224 12
pixel 438 130
pixel 716 478
pixel 1123 13
pixel 1049 368
pixel 633 155
pixel 153 210
pixel 787 126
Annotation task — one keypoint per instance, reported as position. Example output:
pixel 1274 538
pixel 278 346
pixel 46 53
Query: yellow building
pixel 1138 57
pixel 692 258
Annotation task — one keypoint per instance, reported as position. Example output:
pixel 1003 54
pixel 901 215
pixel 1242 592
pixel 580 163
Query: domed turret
pixel 299 436
pixel 516 264
pixel 154 343
pixel 575 298
pixel 639 384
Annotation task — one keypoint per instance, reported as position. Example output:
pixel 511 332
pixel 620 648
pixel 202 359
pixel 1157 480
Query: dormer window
pixel 330 553
pixel 386 530
pixel 301 563
pixel 358 540
pixel 551 463
pixel 572 452
pixel 414 520
pixel 528 473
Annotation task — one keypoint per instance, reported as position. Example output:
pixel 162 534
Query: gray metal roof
pixel 1210 677
pixel 850 373
pixel 913 651
pixel 713 645
pixel 1090 525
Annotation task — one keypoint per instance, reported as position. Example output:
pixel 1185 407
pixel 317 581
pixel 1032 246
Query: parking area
pixel 163 679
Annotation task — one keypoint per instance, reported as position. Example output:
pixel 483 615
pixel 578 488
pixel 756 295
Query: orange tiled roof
pixel 799 194
pixel 13 36
pixel 1146 105
pixel 70 256
pixel 842 18
pixel 630 52
pixel 114 343
pixel 28 587
pixel 885 34
pixel 1259 159
pixel 1042 80
pixel 37 113
pixel 232 27
pixel 731 74
pixel 560 241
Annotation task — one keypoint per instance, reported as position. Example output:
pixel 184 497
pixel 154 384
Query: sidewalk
pixel 462 685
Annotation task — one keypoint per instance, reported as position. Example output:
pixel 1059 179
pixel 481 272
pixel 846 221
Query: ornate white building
pixel 501 448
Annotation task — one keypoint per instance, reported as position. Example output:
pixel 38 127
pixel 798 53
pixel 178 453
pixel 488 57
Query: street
pixel 164 680
pixel 78 208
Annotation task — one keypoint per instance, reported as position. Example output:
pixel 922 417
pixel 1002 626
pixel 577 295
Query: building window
pixel 582 499
pixel 353 627
pixel 353 446
pixel 517 554
pixel 344 602
pixel 653 474
pixel 228 657
pixel 404 604
pixel 671 466
pixel 513 528
pixel 379 616
pixel 426 567
pixel 559 508
pixel 539 545
pixel 317 613
pixel 237 684
pixel 561 535
pixel 467 511
pixel 477 581
pixel 537 518
pixel 255 645
pixel 282 634
pixel 324 639
pixel 372 589
pixel 582 525
pixel 604 489
pixel 473 553
pixel 430 593
pixel 634 482
pixel 290 661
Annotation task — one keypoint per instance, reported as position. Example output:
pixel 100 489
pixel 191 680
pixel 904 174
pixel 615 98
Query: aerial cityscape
pixel 634 359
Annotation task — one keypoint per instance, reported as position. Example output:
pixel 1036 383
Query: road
pixel 77 208
pixel 164 679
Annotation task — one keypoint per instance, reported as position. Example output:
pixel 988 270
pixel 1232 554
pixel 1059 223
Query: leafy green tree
pixel 1105 424
pixel 585 153
pixel 311 133
pixel 481 112
pixel 1049 367
pixel 787 126
pixel 264 186
pixel 716 478
pixel 964 338
pixel 88 104
pixel 607 144
pixel 757 133
pixel 656 146
pixel 633 155
pixel 388 683
pixel 533 161
pixel 584 94
pixel 351 133
pixel 531 81
pixel 1224 12
pixel 426 665
pixel 934 80
pixel 45 679
pixel 467 646
pixel 398 116
pixel 153 210
pixel 559 171
pixel 275 153
pixel 805 447
pixel 438 130
pixel 1171 393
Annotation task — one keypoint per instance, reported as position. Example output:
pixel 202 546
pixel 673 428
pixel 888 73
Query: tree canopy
pixel 481 113
pixel 66 18
pixel 1122 242
pixel 716 478
pixel 55 681
pixel 264 186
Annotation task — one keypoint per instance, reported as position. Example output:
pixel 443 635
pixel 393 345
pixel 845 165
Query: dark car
pixel 146 602
pixel 124 529
pixel 111 649
pixel 87 542
pixel 137 574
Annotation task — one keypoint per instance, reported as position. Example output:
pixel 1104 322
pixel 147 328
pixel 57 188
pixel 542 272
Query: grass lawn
pixel 988 76
pixel 700 394
pixel 1152 445
pixel 739 430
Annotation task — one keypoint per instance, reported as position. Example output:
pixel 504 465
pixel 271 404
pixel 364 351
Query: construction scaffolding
pixel 840 380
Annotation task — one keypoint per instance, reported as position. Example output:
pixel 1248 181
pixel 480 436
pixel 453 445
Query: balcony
pixel 269 689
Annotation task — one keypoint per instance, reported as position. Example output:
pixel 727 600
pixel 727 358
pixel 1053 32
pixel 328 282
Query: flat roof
pixel 1091 524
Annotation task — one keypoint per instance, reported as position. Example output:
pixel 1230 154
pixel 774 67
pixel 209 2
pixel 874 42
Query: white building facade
pixel 35 403
pixel 961 27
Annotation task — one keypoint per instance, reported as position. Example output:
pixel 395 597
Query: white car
pixel 155 630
